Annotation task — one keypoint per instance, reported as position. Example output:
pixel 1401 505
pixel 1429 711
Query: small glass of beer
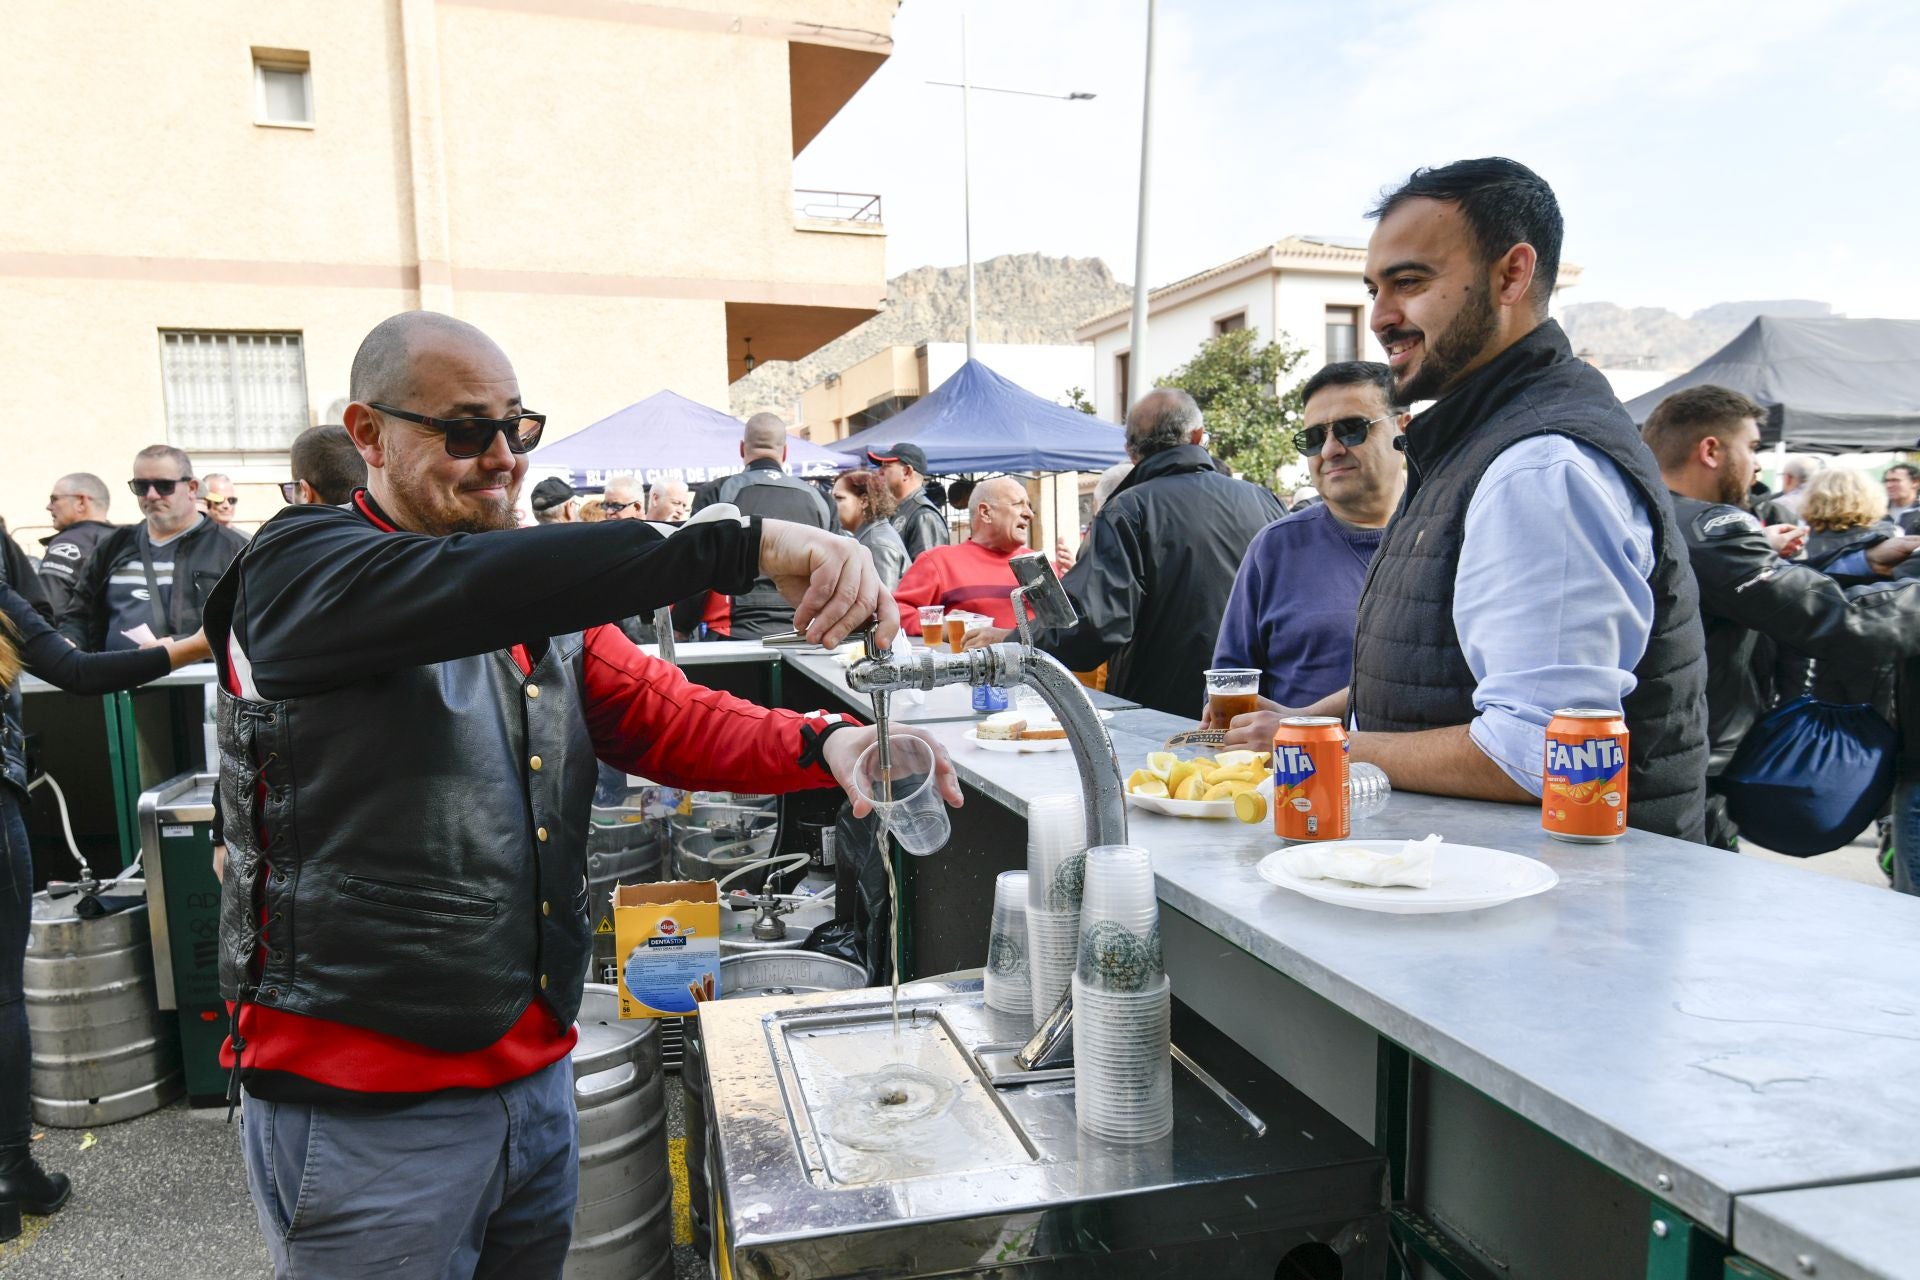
pixel 932 616
pixel 1232 691
pixel 957 624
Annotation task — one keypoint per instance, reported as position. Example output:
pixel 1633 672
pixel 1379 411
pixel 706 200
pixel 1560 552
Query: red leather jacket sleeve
pixel 649 719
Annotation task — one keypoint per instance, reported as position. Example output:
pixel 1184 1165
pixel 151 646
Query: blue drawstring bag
pixel 1810 776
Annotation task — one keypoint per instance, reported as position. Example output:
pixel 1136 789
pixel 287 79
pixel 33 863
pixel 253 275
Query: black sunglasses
pixel 162 487
pixel 290 490
pixel 471 437
pixel 1350 432
pixel 615 508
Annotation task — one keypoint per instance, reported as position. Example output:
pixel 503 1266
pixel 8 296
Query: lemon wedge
pixel 1152 787
pixel 1161 763
pixel 1138 777
pixel 1250 806
pixel 1191 787
pixel 1234 759
pixel 1218 791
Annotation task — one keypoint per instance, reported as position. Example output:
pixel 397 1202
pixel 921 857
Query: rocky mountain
pixel 1019 297
pixel 1619 337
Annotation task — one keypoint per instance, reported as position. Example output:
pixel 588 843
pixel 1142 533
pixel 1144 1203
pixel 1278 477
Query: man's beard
pixel 1733 493
pixel 1458 345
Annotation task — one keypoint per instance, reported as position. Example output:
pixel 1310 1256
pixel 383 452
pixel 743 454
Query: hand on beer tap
pixel 830 580
pixel 981 637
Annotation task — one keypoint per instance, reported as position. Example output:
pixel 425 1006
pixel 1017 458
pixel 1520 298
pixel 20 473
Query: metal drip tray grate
pixel 872 1107
pixel 833 1154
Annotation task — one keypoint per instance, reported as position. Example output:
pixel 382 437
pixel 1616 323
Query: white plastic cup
pixel 1122 1067
pixel 915 814
pixel 1007 981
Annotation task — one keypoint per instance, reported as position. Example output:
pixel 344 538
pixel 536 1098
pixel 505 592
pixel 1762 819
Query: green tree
pixel 1232 378
pixel 1077 399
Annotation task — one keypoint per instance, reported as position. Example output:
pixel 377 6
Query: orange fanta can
pixel 1584 793
pixel 1310 797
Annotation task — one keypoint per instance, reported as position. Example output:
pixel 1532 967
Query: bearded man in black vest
pixel 413 697
pixel 1534 562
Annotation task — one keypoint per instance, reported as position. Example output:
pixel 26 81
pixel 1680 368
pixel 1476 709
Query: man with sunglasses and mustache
pixel 414 695
pixel 156 574
pixel 1535 562
pixel 1291 613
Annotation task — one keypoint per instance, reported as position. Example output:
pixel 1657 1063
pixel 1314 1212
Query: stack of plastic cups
pixel 1006 983
pixel 1056 863
pixel 1122 1003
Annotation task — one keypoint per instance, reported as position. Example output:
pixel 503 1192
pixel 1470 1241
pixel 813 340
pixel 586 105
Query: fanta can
pixel 1583 796
pixel 1310 797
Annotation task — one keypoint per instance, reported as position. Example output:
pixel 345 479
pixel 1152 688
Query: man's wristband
pixel 815 729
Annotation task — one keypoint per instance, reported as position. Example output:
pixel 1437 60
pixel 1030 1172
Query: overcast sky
pixel 1703 151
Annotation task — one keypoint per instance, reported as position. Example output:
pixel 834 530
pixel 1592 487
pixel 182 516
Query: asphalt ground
pixel 164 1196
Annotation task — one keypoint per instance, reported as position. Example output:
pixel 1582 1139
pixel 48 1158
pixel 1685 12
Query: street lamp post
pixel 967 88
pixel 1137 333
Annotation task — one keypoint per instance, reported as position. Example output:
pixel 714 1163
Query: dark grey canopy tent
pixel 1829 384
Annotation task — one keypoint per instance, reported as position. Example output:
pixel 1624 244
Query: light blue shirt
pixel 1552 600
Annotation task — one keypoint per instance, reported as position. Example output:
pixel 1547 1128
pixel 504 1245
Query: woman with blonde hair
pixel 27 643
pixel 1842 507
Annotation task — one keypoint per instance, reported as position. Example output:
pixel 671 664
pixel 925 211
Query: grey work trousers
pixel 466 1183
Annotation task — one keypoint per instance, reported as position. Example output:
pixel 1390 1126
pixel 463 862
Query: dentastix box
pixel 667 936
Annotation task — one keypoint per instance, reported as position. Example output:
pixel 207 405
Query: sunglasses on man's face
pixel 162 487
pixel 218 503
pixel 1350 432
pixel 471 437
pixel 615 508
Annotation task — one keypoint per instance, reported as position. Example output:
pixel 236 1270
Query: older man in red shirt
pixel 973 576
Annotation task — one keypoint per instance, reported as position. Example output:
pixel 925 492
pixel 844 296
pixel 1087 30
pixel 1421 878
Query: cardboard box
pixel 667 939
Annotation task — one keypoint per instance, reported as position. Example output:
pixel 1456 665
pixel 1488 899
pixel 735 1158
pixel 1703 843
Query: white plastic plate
pixel 1195 808
pixel 1465 878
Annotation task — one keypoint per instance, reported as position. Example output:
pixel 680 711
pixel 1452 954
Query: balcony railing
pixel 837 206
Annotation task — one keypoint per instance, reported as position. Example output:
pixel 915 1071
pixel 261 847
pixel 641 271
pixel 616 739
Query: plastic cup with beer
pixel 1232 691
pixel 932 619
pixel 911 806
pixel 957 625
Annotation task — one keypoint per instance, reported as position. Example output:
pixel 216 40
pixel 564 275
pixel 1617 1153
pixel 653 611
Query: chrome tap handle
pixel 1052 607
pixel 1052 1042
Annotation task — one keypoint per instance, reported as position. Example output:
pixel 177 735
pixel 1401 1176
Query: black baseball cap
pixel 911 454
pixel 550 493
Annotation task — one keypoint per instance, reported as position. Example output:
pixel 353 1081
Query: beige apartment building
pixel 210 202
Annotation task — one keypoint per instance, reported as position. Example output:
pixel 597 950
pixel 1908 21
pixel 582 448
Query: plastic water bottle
pixel 1367 789
pixel 987 697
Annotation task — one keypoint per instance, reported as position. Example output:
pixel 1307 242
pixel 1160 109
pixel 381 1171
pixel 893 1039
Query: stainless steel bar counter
pixel 1700 1025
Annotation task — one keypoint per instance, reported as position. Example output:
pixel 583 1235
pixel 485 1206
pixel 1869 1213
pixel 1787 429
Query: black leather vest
pixel 419 865
pixel 1408 669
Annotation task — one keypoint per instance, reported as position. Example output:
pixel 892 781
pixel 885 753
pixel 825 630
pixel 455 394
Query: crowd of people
pixel 1454 577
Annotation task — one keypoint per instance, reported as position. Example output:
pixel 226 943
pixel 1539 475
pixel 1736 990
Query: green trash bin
pixel 176 842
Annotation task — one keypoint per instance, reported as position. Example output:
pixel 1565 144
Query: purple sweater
pixel 1293 605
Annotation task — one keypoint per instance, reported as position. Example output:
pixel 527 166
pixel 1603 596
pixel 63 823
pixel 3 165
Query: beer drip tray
pixel 869 1107
pixel 833 1153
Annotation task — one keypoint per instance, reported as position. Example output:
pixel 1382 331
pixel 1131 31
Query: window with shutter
pixel 233 391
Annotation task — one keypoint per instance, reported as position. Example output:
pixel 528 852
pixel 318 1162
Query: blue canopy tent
pixel 978 421
pixel 667 436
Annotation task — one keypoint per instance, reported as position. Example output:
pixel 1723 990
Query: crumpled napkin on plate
pixel 1412 867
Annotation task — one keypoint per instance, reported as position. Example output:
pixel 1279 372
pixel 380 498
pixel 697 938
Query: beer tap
pixel 1005 666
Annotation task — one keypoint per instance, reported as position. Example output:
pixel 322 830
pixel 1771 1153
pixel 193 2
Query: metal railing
pixel 837 206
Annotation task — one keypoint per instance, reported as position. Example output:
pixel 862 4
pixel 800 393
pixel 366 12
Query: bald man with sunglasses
pixel 413 697
pixel 153 577
pixel 1298 590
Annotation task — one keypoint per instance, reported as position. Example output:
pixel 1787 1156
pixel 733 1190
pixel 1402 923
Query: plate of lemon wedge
pixel 1227 784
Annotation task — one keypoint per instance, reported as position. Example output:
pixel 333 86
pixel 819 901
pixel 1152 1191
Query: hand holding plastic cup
pixel 907 800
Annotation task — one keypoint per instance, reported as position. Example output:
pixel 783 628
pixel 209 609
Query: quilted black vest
pixel 1408 669
pixel 416 844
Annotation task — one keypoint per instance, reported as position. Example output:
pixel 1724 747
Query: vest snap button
pixel 534 764
pixel 543 982
pixel 533 691
pixel 542 834
pixel 546 908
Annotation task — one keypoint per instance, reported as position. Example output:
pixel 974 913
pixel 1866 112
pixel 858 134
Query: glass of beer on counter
pixel 932 618
pixel 1232 691
pixel 957 624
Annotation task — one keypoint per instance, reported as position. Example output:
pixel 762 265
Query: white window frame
pixel 191 403
pixel 286 62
